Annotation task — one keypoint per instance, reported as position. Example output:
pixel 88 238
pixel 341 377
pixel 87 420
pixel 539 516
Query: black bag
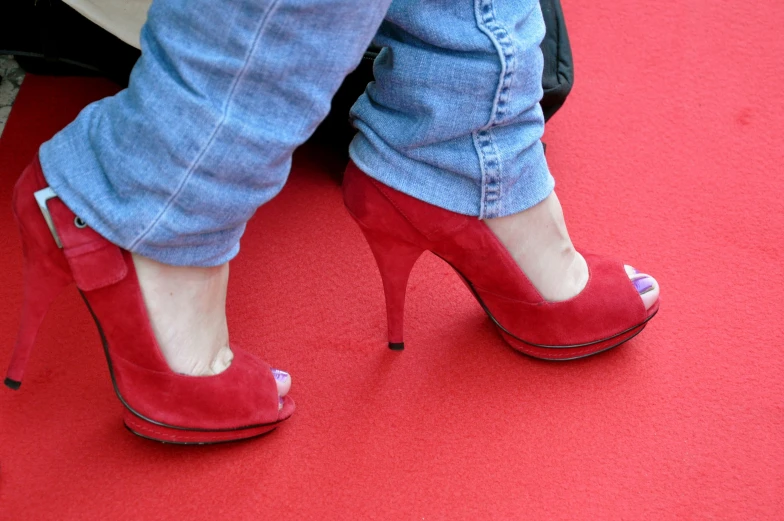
pixel 48 37
pixel 558 73
pixel 557 79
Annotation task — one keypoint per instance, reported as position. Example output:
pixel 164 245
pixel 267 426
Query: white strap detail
pixel 41 196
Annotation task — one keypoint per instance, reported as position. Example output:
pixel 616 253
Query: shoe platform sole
pixel 566 352
pixel 152 430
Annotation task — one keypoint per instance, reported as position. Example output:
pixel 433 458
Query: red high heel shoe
pixel 241 402
pixel 398 228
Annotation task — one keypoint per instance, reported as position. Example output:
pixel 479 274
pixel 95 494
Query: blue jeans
pixel 173 166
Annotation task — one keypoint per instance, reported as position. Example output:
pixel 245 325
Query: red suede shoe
pixel 241 402
pixel 398 228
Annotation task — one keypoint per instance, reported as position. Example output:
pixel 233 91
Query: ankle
pixel 557 275
pixel 539 243
pixel 188 363
pixel 187 310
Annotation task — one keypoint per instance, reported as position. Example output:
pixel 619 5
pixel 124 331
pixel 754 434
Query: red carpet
pixel 667 155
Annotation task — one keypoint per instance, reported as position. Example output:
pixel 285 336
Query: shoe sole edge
pixel 155 432
pixel 162 432
pixel 558 353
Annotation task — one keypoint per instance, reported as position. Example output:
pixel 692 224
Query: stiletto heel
pixel 59 248
pixel 395 260
pixel 42 283
pixel 398 227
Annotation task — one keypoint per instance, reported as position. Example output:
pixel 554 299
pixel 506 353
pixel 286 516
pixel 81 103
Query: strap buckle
pixel 41 197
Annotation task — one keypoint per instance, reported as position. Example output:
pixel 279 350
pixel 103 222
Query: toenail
pixel 279 375
pixel 643 284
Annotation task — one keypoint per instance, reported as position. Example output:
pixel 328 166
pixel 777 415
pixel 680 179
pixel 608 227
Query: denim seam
pixel 480 150
pixel 484 138
pixel 218 126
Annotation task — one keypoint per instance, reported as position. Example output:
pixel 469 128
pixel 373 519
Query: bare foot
pixel 187 310
pixel 538 241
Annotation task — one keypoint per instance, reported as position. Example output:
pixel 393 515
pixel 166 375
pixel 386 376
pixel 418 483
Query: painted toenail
pixel 643 284
pixel 279 375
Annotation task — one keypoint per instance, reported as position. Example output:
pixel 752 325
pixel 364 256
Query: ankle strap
pixel 95 262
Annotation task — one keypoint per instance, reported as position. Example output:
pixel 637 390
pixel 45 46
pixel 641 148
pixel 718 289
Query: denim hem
pixel 444 189
pixel 61 156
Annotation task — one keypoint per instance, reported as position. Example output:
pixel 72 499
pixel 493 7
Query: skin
pixel 187 306
pixel 187 310
pixel 539 243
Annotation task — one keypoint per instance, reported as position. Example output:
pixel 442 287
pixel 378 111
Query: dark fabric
pixel 558 73
pixel 48 37
pixel 557 79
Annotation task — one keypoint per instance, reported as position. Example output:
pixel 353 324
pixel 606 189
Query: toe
pixel 646 286
pixel 283 380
